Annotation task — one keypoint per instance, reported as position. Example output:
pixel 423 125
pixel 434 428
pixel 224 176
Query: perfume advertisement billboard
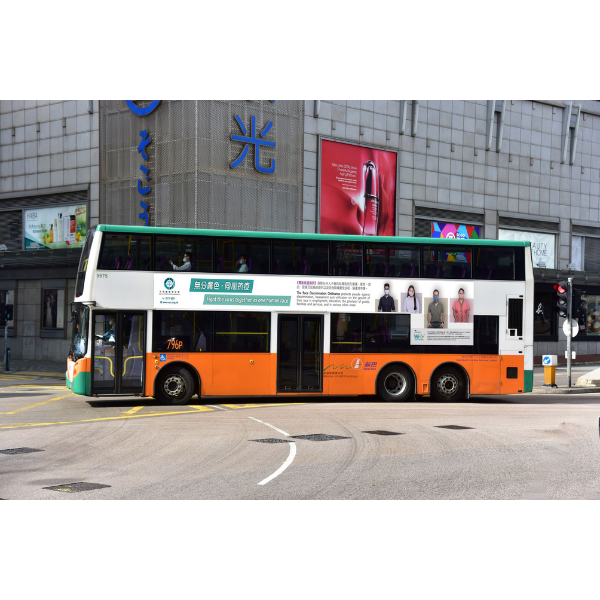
pixel 55 227
pixel 358 189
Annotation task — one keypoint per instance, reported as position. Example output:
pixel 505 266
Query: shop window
pixel 242 255
pixel 242 332
pixel 391 260
pixel 347 259
pixel 592 316
pixel 173 247
pixel 386 332
pixel 121 252
pixel 3 303
pixel 346 332
pixel 53 310
pixel 295 257
pixel 544 323
pixel 182 331
pixel 448 262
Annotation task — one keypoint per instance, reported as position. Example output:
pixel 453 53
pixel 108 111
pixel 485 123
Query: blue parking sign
pixel 163 357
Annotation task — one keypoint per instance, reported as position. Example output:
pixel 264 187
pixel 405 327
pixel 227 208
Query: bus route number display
pixel 174 344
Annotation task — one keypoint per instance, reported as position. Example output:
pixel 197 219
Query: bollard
pixel 8 359
pixel 550 361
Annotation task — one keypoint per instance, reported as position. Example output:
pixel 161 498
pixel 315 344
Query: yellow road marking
pixel 234 406
pixel 61 375
pixel 33 385
pixel 133 410
pixel 105 419
pixel 38 404
pixel 200 408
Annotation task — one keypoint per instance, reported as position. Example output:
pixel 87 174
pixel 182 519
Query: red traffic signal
pixel 561 298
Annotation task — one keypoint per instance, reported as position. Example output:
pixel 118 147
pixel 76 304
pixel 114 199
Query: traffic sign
pixel 574 327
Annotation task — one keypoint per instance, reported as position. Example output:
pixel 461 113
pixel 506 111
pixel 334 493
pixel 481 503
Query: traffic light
pixel 579 306
pixel 2 316
pixel 561 298
pixel 8 312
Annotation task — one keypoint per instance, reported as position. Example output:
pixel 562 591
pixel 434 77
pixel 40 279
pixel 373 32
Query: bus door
pixel 300 353
pixel 118 352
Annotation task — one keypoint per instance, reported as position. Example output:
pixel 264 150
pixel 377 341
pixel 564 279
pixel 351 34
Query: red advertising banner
pixel 358 189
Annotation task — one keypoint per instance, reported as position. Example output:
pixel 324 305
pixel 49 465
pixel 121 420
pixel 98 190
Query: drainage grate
pixel 19 450
pixel 80 486
pixel 271 441
pixel 320 437
pixel 453 427
pixel 381 432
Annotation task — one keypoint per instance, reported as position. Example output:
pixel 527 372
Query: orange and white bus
pixel 278 314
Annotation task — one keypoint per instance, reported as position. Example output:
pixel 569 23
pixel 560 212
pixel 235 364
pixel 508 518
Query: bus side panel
pixel 241 374
pixel 512 386
pixel 374 363
pixel 343 374
pixel 202 362
pixel 78 376
pixel 484 374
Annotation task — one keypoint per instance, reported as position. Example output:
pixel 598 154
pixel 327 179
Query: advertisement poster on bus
pixel 55 227
pixel 358 189
pixel 439 312
pixel 454 231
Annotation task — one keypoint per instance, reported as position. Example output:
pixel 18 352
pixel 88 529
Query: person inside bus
pixel 187 263
pixel 461 308
pixel 386 302
pixel 241 265
pixel 411 302
pixel 109 336
pixel 435 312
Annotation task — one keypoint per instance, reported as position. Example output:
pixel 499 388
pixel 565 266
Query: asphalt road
pixel 511 447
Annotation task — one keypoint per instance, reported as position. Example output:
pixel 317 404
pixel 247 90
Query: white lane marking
pixel 284 466
pixel 215 406
pixel 271 426
pixel 290 458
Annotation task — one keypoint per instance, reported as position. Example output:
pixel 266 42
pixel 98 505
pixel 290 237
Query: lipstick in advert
pixel 371 213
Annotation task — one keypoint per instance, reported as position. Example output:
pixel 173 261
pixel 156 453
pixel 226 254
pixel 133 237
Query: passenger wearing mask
pixel 241 265
pixel 187 263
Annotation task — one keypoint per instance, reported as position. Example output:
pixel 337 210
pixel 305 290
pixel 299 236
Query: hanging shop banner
pixel 55 227
pixel 441 312
pixel 542 245
pixel 454 231
pixel 358 189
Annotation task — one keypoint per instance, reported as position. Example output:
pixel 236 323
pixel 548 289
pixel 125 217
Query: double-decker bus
pixel 283 314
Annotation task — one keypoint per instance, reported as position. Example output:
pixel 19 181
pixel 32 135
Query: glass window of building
pixel 544 322
pixel 122 252
pixel 182 331
pixel 170 251
pixel 347 259
pixel 592 315
pixel 448 262
pixel 297 257
pixel 53 309
pixel 242 332
pixel 242 255
pixel 385 332
pixel 346 332
pixel 391 260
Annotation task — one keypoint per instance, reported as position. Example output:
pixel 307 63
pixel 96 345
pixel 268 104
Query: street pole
pixel 5 333
pixel 570 329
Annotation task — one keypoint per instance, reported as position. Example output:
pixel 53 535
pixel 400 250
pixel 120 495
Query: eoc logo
pixel 169 283
pixel 357 364
pixel 142 111
pixel 419 336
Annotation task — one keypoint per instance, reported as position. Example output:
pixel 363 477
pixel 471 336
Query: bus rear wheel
pixel 395 384
pixel 175 385
pixel 448 385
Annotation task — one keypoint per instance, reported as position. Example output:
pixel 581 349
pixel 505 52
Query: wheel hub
pixel 395 384
pixel 174 386
pixel 447 384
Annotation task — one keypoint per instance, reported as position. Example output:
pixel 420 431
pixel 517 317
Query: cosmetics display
pixel 371 210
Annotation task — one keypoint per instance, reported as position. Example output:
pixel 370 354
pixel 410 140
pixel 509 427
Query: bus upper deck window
pixel 297 257
pixel 122 252
pixel 242 255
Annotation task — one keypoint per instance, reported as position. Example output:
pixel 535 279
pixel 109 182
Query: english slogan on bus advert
pixel 441 312
pixel 358 189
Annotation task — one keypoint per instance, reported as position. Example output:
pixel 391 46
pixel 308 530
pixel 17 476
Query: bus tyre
pixel 175 386
pixel 448 385
pixel 396 384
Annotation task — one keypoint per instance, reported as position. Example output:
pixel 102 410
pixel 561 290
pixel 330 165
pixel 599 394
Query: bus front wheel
pixel 448 385
pixel 396 384
pixel 175 385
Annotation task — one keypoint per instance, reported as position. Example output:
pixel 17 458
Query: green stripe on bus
pixel 528 380
pixel 303 236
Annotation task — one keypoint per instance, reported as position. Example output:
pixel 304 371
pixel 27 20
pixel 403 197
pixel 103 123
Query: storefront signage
pixel 358 189
pixel 542 245
pixel 55 227
pixel 454 231
pixel 441 312
pixel 257 142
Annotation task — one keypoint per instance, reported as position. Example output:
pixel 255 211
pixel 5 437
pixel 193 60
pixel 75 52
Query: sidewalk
pixel 37 367
pixel 577 371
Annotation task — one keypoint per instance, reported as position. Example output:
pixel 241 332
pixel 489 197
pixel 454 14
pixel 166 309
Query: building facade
pixel 503 169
